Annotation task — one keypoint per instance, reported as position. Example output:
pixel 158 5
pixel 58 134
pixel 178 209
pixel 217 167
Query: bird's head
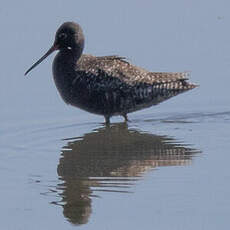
pixel 69 36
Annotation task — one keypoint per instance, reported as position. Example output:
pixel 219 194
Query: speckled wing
pixel 125 87
pixel 120 68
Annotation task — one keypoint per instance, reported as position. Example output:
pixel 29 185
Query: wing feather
pixel 119 68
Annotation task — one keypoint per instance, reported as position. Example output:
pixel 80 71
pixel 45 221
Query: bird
pixel 106 85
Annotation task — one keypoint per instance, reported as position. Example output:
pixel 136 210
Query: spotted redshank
pixel 106 85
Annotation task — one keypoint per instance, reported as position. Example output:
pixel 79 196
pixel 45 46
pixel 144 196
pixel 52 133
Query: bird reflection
pixel 111 159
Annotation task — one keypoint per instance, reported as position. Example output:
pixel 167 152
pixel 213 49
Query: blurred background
pixel 38 129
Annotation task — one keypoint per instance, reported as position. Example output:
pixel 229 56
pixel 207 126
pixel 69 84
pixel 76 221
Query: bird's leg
pixel 125 117
pixel 107 119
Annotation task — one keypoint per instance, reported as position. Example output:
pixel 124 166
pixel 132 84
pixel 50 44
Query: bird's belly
pixel 103 102
pixel 106 100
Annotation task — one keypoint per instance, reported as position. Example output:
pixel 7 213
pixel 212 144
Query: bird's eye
pixel 62 36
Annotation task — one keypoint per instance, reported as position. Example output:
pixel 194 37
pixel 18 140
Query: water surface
pixel 167 168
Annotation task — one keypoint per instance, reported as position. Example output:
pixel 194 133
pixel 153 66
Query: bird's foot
pixel 107 120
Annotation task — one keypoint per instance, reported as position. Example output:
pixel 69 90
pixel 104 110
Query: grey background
pixel 164 35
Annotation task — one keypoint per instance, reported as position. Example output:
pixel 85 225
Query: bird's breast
pixel 63 74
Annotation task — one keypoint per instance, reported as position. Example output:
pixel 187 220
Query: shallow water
pixel 127 175
pixel 167 168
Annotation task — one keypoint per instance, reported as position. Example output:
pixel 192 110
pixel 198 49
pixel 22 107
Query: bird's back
pixel 111 85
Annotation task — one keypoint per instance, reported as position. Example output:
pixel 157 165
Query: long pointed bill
pixel 51 50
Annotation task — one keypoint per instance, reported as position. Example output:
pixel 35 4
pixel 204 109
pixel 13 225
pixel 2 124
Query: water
pixel 61 168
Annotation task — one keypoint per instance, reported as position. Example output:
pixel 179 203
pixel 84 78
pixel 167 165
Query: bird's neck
pixel 72 54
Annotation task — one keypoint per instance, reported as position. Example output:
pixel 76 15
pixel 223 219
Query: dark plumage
pixel 107 85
